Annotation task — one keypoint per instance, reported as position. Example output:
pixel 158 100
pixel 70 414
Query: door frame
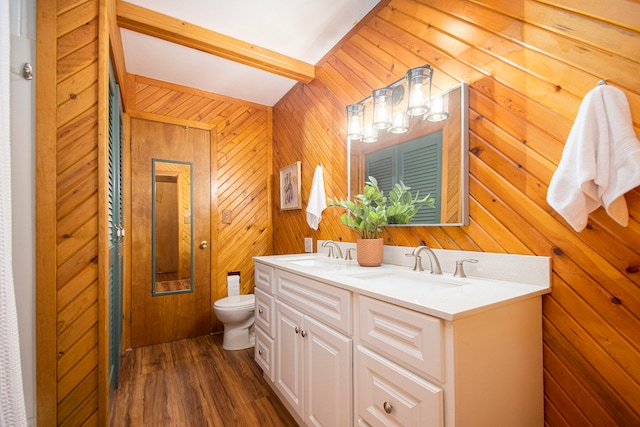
pixel 126 332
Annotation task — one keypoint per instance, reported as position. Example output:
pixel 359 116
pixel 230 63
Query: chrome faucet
pixel 459 267
pixel 333 245
pixel 433 260
pixel 348 256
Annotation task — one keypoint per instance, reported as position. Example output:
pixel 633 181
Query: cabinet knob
pixel 260 352
pixel 387 407
pixel 260 311
pixel 297 329
pixel 304 334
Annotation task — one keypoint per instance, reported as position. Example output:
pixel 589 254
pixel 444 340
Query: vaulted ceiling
pixel 254 50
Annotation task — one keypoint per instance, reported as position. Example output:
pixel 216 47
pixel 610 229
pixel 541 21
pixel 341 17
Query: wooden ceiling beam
pixel 145 21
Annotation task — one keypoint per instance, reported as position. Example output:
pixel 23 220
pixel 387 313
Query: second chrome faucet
pixel 333 244
pixel 433 260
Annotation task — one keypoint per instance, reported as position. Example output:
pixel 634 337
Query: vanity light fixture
pixel 369 133
pixel 419 88
pixel 391 108
pixel 382 107
pixel 399 119
pixel 439 109
pixel 355 121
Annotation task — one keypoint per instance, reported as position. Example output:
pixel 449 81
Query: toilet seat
pixel 236 302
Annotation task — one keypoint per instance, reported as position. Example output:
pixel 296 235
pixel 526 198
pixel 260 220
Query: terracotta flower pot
pixel 369 252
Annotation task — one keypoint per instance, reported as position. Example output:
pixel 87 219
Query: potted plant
pixel 369 211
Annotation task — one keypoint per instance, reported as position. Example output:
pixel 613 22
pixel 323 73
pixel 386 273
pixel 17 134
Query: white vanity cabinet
pixel 314 350
pixel 413 369
pixel 344 351
pixel 314 368
pixel 389 394
pixel 264 350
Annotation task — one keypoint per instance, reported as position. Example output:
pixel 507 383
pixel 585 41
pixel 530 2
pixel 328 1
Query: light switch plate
pixel 308 244
pixel 226 216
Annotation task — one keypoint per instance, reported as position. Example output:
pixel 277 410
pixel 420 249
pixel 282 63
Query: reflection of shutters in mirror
pixel 381 165
pixel 417 163
pixel 115 217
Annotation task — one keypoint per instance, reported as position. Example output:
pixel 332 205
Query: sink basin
pixel 311 262
pixel 395 279
pixel 315 261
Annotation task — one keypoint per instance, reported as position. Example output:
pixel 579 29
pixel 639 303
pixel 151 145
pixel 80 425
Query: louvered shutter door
pixel 381 165
pixel 420 167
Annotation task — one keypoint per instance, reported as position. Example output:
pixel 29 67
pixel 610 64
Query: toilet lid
pixel 237 301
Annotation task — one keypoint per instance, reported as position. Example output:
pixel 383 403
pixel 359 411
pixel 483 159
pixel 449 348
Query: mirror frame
pixel 392 139
pixel 154 292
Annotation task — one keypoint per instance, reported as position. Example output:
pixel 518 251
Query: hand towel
pixel 317 199
pixel 600 161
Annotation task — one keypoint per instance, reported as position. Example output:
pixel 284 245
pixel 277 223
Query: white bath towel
pixel 600 161
pixel 317 199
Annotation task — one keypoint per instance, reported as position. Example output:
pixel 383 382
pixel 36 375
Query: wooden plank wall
pixel 71 85
pixel 529 64
pixel 241 173
pixel 72 58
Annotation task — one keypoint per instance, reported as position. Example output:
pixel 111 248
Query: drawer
pixel 265 354
pixel 389 395
pixel 264 278
pixel 328 304
pixel 265 312
pixel 411 339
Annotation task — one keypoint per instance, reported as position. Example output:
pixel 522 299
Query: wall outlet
pixel 308 244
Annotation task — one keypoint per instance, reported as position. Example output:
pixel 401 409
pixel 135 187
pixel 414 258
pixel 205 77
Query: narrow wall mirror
pixel 431 158
pixel 172 231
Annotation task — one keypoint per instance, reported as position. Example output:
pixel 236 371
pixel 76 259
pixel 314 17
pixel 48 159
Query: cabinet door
pixel 265 312
pixel 289 361
pixel 389 395
pixel 264 278
pixel 264 353
pixel 411 339
pixel 328 303
pixel 328 375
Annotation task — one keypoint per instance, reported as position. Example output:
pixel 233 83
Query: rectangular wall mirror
pixel 172 229
pixel 431 158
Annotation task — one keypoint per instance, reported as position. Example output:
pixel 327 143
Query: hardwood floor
pixel 194 382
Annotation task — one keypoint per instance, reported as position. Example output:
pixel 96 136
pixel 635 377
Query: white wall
pixel 23 190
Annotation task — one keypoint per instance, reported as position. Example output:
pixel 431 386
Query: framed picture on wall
pixel 290 187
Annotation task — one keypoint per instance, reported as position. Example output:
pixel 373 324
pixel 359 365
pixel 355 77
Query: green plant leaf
pixel 369 211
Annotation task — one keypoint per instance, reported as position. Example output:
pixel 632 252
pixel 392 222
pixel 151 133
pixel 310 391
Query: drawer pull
pixel 260 352
pixel 260 311
pixel 387 407
pixel 297 330
pixel 304 334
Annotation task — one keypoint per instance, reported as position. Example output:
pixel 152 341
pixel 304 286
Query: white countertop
pixel 442 296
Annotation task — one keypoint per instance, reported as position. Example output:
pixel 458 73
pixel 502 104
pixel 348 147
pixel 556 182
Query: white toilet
pixel 237 315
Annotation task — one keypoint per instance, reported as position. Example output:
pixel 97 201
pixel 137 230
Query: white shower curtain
pixel 12 409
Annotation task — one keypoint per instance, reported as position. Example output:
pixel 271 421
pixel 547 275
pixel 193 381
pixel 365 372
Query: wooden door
pixel 183 312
